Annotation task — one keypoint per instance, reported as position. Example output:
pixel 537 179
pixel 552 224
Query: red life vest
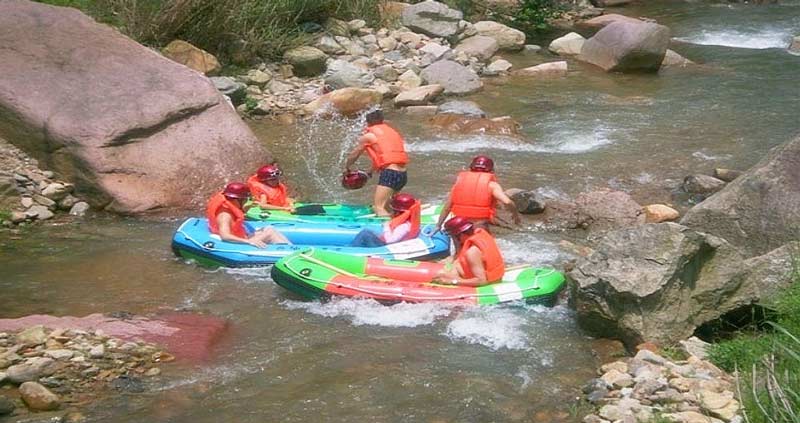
pixel 218 204
pixel 387 149
pixel 471 197
pixel 275 195
pixel 411 215
pixel 492 259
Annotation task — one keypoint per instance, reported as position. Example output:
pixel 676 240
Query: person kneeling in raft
pixel 386 149
pixel 404 224
pixel 226 218
pixel 478 260
pixel 268 191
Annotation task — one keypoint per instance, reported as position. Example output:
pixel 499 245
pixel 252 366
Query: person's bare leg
pixel 380 204
pixel 271 236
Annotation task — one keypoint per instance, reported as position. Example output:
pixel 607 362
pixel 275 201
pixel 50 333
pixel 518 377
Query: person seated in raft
pixel 475 195
pixel 386 149
pixel 405 224
pixel 226 218
pixel 478 260
pixel 268 191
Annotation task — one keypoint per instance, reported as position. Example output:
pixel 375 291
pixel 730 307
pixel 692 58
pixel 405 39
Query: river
pixel 349 360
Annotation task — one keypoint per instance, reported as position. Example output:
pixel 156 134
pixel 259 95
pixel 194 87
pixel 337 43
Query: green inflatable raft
pixel 314 274
pixel 337 213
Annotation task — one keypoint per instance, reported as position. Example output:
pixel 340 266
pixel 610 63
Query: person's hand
pixel 256 243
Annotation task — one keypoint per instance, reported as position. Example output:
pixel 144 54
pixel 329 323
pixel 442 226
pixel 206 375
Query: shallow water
pixel 290 360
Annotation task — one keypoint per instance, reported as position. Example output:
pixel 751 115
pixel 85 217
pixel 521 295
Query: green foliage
pixel 250 104
pixel 673 353
pixel 535 15
pixel 238 31
pixel 5 215
pixel 741 352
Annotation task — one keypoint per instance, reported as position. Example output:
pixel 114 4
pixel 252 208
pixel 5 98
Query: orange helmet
pixel 482 164
pixel 236 190
pixel 457 225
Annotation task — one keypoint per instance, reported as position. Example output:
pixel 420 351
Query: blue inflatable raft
pixel 193 241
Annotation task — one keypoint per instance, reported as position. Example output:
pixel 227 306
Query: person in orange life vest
pixel 226 218
pixel 405 224
pixel 386 148
pixel 268 191
pixel 475 195
pixel 478 260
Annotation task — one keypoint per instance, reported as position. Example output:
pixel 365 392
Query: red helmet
pixel 457 225
pixel 269 171
pixel 482 164
pixel 402 202
pixel 354 179
pixel 236 190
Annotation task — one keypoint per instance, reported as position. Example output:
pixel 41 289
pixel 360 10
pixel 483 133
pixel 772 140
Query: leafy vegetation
pixel 530 16
pixel 768 363
pixel 237 31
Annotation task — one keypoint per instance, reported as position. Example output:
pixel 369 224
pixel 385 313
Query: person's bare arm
pixel 445 212
pixel 224 224
pixel 264 204
pixel 475 262
pixel 501 197
pixel 356 152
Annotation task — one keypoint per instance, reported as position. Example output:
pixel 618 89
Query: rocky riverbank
pixel 44 370
pixel 649 387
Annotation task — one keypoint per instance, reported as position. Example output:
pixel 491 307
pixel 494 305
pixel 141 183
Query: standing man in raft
pixel 226 218
pixel 386 149
pixel 478 260
pixel 268 191
pixel 475 195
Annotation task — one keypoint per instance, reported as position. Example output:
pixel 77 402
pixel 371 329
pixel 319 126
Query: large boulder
pixel 602 21
pixel 760 210
pixel 455 78
pixel 432 18
pixel 608 209
pixel 627 47
pixel 508 39
pixel 343 74
pixel 345 101
pixel 128 126
pixel 193 57
pixel 306 60
pixel 478 46
pixel 658 282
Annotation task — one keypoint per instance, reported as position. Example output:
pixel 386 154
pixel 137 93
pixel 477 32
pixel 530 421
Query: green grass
pixel 769 363
pixel 236 31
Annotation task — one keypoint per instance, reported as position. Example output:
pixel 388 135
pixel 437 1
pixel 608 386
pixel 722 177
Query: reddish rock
pixel 192 57
pixel 190 337
pixel 128 126
pixel 345 101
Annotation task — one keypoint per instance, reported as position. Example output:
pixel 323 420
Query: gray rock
pixel 627 47
pixel 420 110
pixel 394 56
pixel 306 60
pixel 352 47
pixel 257 77
pixel 6 406
pixel 794 47
pixel 59 354
pixel 228 86
pixel 387 43
pixel 38 398
pixel 97 351
pixel 32 336
pixel 760 210
pixel 31 370
pixel 455 78
pixel 329 45
pixel 39 212
pixel 277 87
pixel 461 107
pixel 672 58
pixel 727 175
pixel 432 18
pixel 79 209
pixel 597 396
pixel 26 202
pixel 337 27
pixel 67 202
pixel 568 45
pixel 419 96
pixel 702 184
pixel 497 67
pixel 18 217
pixel 56 191
pixel 696 347
pixel 532 48
pixel 386 73
pixel 607 209
pixel 356 24
pixel 527 202
pixel 436 51
pixel 3 377
pixel 341 74
pixel 41 199
pixel 621 289
pixel 478 46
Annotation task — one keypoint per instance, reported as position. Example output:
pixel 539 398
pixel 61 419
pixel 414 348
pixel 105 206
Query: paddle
pixel 339 270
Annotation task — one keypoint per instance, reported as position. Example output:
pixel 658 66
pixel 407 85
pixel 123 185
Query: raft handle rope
pixel 402 295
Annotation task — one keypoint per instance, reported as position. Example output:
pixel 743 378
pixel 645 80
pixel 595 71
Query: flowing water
pixel 347 360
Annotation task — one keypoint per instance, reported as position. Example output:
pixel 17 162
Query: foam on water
pixel 761 38
pixel 473 143
pixel 492 327
pixel 370 312
pixel 709 157
pixel 519 248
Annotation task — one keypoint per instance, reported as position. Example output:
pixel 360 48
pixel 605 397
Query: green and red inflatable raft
pixel 315 274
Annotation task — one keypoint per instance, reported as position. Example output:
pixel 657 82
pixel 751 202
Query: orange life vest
pixel 411 215
pixel 217 204
pixel 471 197
pixel 492 259
pixel 387 149
pixel 275 195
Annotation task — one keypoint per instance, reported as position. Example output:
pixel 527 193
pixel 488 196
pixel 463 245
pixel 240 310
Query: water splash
pixel 370 312
pixel 470 143
pixel 495 328
pixel 521 248
pixel 760 38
